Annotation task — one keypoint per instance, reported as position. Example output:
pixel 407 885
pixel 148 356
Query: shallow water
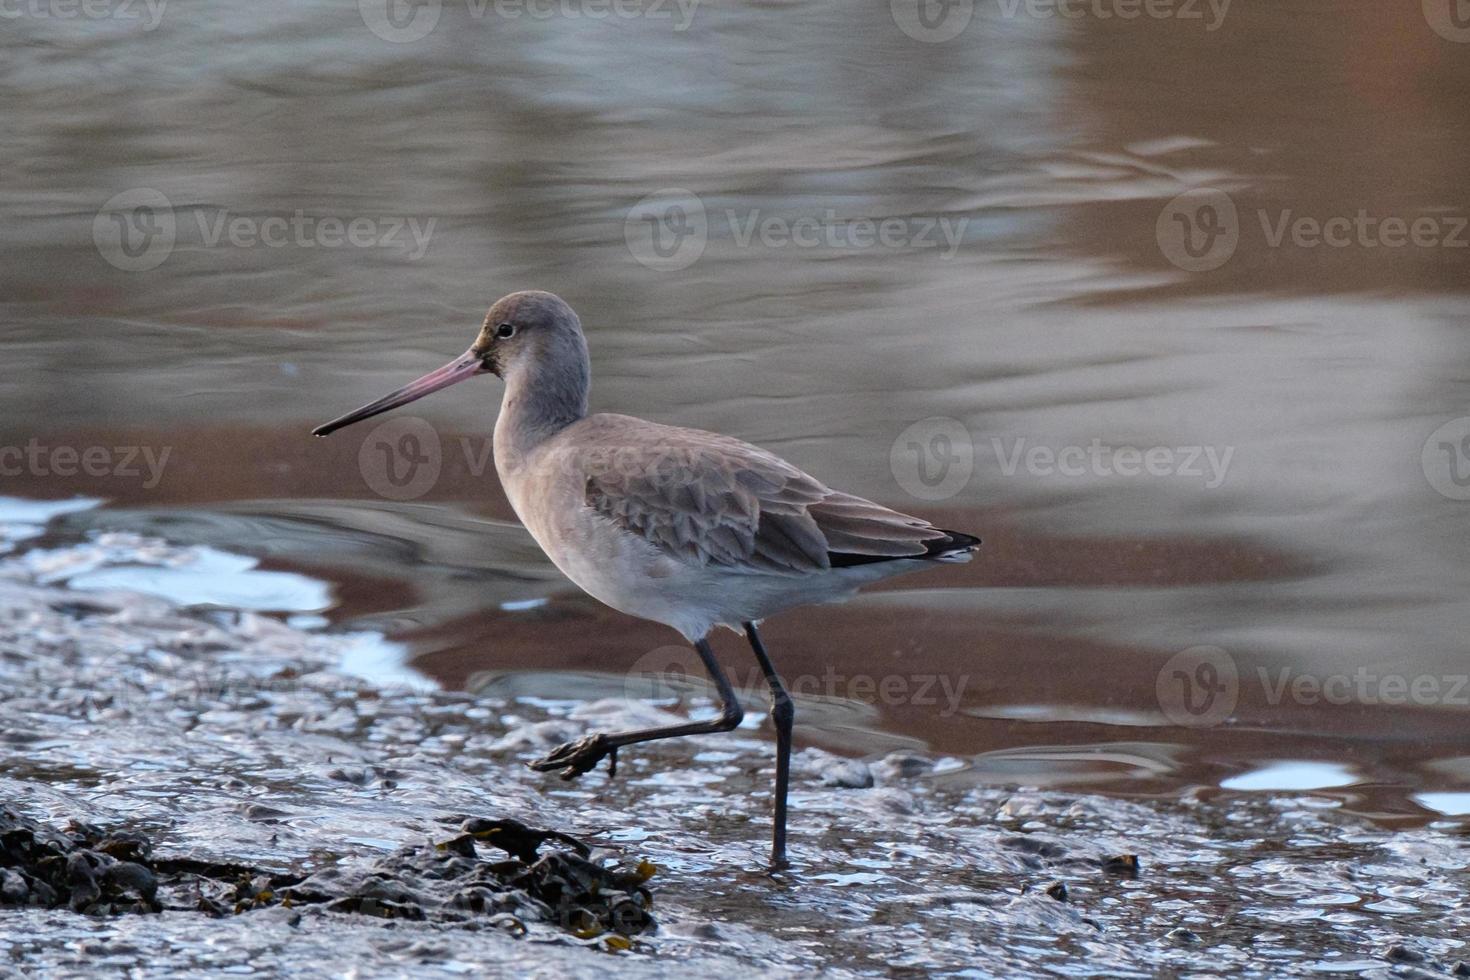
pixel 1268 598
pixel 226 736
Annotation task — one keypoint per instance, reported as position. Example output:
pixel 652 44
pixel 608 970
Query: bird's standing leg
pixel 575 758
pixel 783 713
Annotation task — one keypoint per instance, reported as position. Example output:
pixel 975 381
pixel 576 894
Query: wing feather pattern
pixel 704 498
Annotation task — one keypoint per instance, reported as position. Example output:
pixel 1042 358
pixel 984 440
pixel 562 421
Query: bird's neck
pixel 538 403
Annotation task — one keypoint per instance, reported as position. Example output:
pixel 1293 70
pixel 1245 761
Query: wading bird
pixel 687 528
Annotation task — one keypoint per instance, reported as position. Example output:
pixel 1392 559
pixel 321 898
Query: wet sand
pixel 230 737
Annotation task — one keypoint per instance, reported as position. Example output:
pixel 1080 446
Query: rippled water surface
pixel 229 739
pixel 1223 481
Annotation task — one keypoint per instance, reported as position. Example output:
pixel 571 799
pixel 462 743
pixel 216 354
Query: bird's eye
pixel 505 330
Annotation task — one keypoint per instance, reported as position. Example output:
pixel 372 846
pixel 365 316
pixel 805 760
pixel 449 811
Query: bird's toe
pixel 572 759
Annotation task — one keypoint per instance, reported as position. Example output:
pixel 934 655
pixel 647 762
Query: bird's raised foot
pixel 582 756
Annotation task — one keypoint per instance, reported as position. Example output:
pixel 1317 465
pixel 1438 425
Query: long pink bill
pixel 465 366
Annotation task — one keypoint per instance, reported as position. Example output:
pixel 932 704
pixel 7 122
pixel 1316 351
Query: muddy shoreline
pixel 230 737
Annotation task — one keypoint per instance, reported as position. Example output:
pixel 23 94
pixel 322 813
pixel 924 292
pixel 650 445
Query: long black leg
pixel 575 758
pixel 783 713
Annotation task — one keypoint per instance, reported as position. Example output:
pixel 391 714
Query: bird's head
pixel 524 327
pixel 521 330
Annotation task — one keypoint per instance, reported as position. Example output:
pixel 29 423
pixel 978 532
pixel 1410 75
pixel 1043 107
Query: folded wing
pixel 709 499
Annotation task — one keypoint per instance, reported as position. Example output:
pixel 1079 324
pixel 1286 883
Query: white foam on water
pixel 1293 775
pixel 208 576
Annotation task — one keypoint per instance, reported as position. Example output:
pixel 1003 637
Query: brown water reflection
pixel 1291 389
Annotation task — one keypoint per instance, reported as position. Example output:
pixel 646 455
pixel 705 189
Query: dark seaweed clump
pixel 98 872
pixel 81 868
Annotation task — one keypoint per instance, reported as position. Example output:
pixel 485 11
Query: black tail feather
pixel 934 548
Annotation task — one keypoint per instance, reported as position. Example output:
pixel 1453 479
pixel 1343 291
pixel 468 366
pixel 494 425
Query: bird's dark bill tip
pixel 467 365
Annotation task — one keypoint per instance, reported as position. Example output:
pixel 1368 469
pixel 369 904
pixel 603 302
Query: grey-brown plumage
pixel 680 526
pixel 709 499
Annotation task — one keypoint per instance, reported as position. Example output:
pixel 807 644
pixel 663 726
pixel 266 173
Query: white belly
pixel 626 572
